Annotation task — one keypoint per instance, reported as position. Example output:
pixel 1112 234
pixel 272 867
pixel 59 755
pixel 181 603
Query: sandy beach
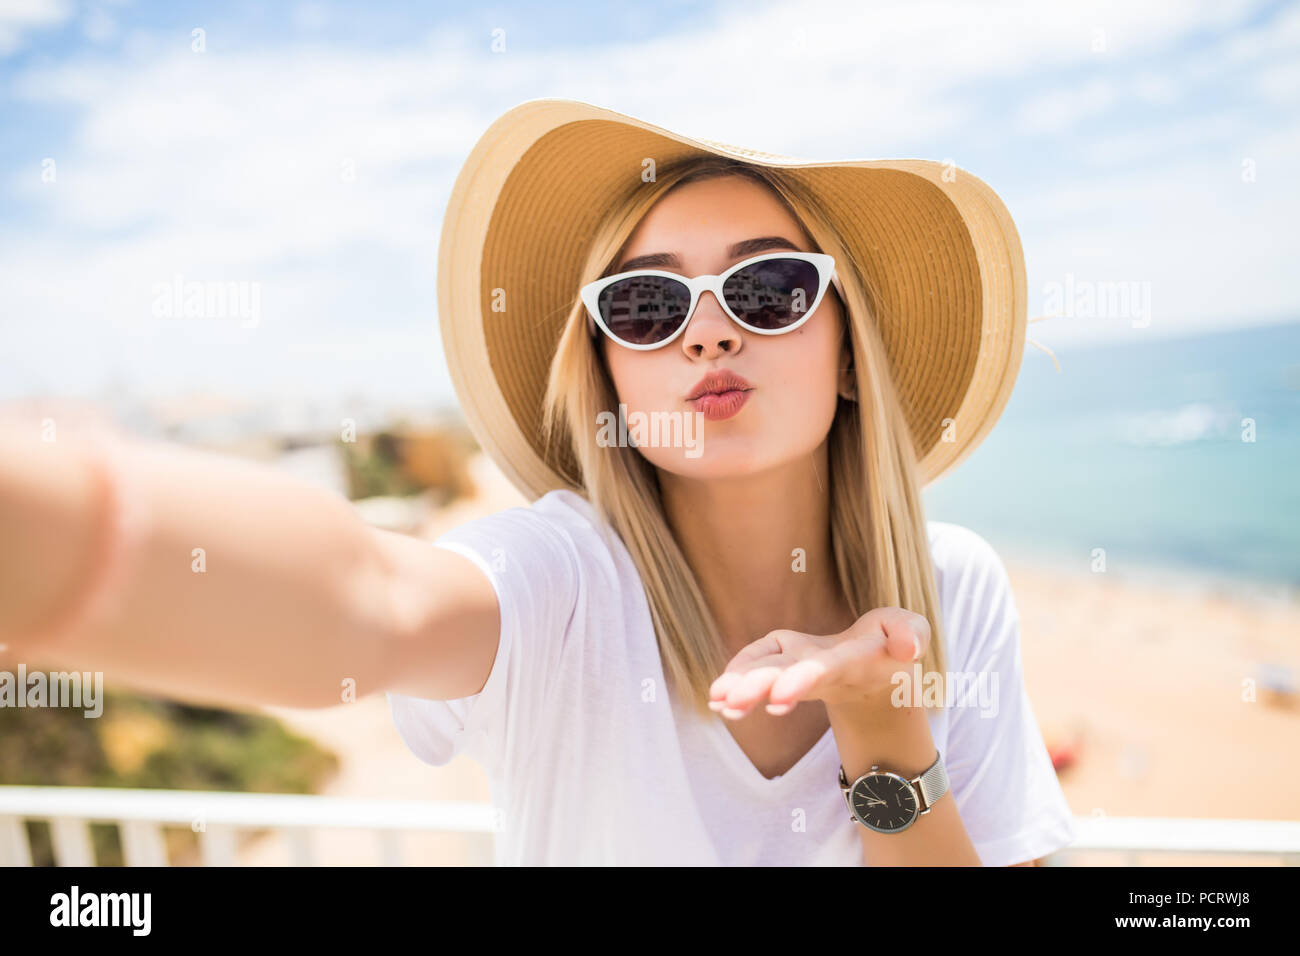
pixel 1145 681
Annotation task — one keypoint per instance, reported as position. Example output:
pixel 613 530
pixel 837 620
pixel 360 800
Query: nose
pixel 710 331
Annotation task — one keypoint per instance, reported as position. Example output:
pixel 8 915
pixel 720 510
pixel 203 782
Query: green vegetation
pixel 375 470
pixel 408 460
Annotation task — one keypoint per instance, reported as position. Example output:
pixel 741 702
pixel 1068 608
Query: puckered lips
pixel 719 394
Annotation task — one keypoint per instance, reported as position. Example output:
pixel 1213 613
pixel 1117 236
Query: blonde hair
pixel 878 533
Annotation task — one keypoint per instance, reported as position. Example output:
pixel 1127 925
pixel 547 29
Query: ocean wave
pixel 1193 422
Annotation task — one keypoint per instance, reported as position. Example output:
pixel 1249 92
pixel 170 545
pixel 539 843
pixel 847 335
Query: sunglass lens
pixel 773 294
pixel 643 310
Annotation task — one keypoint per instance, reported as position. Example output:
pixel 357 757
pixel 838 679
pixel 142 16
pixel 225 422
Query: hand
pixel 852 667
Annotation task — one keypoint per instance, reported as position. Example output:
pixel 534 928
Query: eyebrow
pixel 746 247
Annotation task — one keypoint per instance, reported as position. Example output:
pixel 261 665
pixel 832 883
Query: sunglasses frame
pixel 826 276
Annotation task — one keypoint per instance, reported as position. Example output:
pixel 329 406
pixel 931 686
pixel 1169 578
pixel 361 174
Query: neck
pixel 759 546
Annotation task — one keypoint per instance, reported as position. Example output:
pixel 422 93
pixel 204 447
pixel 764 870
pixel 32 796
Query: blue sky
pixel 1119 135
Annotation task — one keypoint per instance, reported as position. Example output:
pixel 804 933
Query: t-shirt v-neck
pixel 795 818
pixel 738 761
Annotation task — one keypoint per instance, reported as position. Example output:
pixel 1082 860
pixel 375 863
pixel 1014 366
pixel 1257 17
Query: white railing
pixel 1270 840
pixel 218 817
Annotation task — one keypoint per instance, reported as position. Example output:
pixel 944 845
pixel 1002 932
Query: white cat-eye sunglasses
pixel 769 294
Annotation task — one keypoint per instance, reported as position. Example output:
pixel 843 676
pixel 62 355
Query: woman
pixel 804 343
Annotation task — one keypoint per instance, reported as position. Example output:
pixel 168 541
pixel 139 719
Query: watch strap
pixel 932 784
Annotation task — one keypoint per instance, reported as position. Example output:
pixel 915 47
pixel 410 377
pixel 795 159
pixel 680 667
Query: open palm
pixel 853 666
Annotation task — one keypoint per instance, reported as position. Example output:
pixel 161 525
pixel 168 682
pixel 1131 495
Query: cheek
pixel 621 373
pixel 639 378
pixel 811 361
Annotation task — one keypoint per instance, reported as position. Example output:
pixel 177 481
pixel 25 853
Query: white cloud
pixel 1155 88
pixel 21 17
pixel 1063 108
pixel 1279 36
pixel 98 26
pixel 1280 82
pixel 1170 140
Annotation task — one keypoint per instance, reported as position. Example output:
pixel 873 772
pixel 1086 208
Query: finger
pixel 795 683
pixel 919 626
pixel 721 686
pixel 752 687
pixel 767 646
pixel 733 675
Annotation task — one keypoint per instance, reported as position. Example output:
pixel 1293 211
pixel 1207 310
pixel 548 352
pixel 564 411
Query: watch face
pixel 885 802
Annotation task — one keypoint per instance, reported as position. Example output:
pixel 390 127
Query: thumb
pixel 905 634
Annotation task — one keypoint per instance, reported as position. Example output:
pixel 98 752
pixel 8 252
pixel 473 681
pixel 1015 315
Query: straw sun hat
pixel 942 249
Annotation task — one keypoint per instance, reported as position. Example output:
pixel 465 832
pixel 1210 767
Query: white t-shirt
pixel 592 762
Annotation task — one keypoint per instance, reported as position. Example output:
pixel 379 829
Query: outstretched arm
pixel 247 586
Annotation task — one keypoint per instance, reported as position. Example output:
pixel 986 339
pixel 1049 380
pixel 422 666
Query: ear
pixel 848 379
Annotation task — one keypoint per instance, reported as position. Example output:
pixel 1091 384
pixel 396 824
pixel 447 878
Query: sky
pixel 306 152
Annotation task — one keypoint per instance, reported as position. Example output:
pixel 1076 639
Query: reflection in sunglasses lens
pixel 774 293
pixel 643 310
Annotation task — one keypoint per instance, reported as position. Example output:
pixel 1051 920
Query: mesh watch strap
pixel 933 784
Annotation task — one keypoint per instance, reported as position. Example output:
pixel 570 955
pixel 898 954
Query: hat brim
pixel 938 243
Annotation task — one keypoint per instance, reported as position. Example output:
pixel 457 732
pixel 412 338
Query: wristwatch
pixel 889 803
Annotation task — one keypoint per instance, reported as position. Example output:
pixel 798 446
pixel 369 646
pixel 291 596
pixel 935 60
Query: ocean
pixel 1141 450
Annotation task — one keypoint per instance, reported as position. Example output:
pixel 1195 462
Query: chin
pixel 719 458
